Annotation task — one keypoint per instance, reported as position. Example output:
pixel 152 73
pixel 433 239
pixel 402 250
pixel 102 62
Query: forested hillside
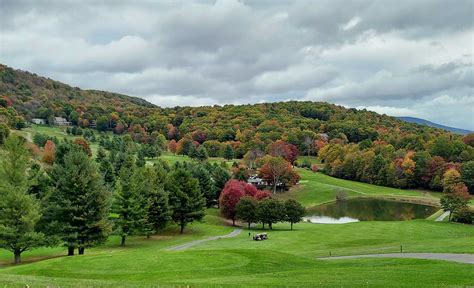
pixel 352 144
pixel 35 96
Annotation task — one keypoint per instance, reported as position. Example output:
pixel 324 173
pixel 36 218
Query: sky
pixel 401 58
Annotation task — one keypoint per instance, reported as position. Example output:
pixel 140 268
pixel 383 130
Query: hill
pixel 36 96
pixel 435 125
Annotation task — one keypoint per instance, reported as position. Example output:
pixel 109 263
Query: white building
pixel 38 121
pixel 61 121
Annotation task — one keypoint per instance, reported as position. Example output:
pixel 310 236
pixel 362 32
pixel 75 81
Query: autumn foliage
pixel 84 145
pixel 233 191
pixel 288 151
pixel 49 152
pixel 278 172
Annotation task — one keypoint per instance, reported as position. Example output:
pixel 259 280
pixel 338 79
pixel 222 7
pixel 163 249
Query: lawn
pixel 317 188
pixel 288 258
pixel 173 158
pixel 53 131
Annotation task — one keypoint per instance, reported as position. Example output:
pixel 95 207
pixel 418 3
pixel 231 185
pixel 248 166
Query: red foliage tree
pixel 229 198
pixel 262 194
pixel 231 194
pixel 469 139
pixel 172 146
pixel 84 145
pixel 288 151
pixel 49 152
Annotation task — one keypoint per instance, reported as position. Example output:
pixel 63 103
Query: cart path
pixel 461 258
pixel 442 216
pixel 196 242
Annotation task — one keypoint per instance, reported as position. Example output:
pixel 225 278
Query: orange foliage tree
pixel 49 152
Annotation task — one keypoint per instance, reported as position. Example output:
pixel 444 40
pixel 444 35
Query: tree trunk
pixel 263 226
pixel 249 225
pixel 70 250
pixel 270 225
pixel 449 218
pixel 233 222
pixel 291 224
pixel 182 228
pixel 274 187
pixel 80 250
pixel 17 254
pixel 123 240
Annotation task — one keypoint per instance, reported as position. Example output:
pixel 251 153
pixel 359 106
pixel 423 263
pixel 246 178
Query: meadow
pixel 288 258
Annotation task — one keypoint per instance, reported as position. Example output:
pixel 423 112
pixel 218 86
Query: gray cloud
pixel 404 57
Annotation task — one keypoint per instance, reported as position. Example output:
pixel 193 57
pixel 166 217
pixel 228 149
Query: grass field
pixel 59 132
pixel 288 258
pixel 173 158
pixel 318 188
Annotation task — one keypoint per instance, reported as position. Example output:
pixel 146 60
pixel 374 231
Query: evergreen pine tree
pixel 129 204
pixel 19 211
pixel 185 197
pixel 78 206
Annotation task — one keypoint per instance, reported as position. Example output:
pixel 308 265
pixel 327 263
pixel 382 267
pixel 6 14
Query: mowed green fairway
pixel 288 258
pixel 317 188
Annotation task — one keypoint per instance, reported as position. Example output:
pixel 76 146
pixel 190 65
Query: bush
pixel 464 216
pixel 341 195
pixel 314 168
pixel 306 164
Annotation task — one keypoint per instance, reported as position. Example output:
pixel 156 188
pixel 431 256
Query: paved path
pixel 461 258
pixel 196 242
pixel 442 216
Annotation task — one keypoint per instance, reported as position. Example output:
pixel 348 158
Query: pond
pixel 367 209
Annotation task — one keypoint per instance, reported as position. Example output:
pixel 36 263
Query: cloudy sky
pixel 402 58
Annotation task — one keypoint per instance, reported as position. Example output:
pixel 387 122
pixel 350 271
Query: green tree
pixel 247 210
pixel 102 123
pixel 467 175
pixel 4 132
pixel 220 176
pixel 159 212
pixel 270 211
pixel 201 153
pixel 294 211
pixel 185 197
pixel 78 206
pixel 105 168
pixel 206 184
pixel 228 152
pixel 130 205
pixel 19 212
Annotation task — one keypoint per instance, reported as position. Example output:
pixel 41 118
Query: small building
pixel 324 136
pixel 257 181
pixel 60 121
pixel 38 121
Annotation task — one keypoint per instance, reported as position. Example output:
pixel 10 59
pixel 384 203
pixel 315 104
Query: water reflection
pixel 329 220
pixel 367 209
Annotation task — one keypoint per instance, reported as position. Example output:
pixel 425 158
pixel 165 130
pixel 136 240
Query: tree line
pixel 240 200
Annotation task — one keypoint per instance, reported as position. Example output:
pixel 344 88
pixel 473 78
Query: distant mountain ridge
pixel 435 125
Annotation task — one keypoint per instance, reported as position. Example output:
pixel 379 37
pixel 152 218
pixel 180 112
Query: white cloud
pixel 351 23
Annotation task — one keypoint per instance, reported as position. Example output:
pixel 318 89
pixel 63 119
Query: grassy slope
pixel 58 132
pixel 317 188
pixel 287 258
